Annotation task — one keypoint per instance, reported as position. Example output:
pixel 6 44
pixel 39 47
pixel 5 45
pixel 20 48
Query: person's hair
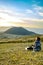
pixel 38 38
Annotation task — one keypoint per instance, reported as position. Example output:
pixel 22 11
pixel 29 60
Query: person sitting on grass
pixel 36 46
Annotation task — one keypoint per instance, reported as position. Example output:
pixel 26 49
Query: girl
pixel 37 46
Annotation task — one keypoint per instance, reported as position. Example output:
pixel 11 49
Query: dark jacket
pixel 37 46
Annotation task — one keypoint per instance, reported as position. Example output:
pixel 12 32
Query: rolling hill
pixel 19 31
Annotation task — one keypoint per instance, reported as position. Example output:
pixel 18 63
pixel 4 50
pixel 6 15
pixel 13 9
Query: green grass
pixel 15 54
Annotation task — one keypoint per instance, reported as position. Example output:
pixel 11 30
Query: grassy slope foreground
pixel 15 54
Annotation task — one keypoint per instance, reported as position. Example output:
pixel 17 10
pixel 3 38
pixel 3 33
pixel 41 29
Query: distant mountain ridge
pixel 19 31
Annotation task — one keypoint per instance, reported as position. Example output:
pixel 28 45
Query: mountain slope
pixel 19 31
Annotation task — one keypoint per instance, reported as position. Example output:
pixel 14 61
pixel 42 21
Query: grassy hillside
pixel 8 38
pixel 12 53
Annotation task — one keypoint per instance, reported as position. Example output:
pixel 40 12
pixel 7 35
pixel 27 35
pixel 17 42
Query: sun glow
pixel 5 23
pixel 6 18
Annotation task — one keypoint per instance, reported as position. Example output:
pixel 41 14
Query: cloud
pixel 29 11
pixel 14 18
pixel 35 12
pixel 33 23
pixel 28 24
pixel 1 18
pixel 36 2
pixel 37 8
pixel 32 20
pixel 8 15
pixel 41 13
pixel 38 11
pixel 11 12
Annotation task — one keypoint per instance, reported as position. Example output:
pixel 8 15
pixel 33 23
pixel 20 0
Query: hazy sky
pixel 25 13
